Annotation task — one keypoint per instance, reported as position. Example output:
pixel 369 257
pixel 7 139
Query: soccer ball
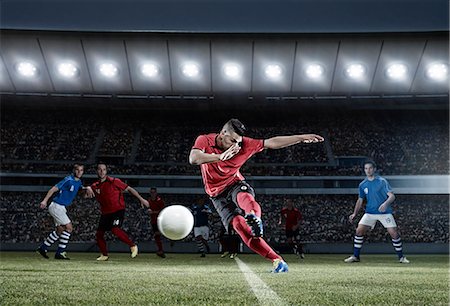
pixel 175 222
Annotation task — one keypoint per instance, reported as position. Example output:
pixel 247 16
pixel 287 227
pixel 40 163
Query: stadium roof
pixel 220 48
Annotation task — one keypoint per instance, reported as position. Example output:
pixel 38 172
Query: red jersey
pixel 222 174
pixel 156 206
pixel 109 194
pixel 292 217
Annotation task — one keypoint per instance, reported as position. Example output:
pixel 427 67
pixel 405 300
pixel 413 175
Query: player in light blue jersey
pixel 379 196
pixel 66 190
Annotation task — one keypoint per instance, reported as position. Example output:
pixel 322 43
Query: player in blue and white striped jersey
pixel 66 190
pixel 379 195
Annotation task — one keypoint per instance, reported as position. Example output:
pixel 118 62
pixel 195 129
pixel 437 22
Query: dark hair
pixel 237 126
pixel 153 188
pixel 75 166
pixel 370 162
pixel 102 163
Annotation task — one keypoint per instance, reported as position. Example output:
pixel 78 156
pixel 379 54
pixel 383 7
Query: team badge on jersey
pixel 244 188
pixel 366 190
pixel 72 188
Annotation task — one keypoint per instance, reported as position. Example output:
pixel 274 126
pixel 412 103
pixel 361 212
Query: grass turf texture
pixel 28 279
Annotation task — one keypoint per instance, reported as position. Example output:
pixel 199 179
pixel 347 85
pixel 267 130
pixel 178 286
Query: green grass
pixel 186 279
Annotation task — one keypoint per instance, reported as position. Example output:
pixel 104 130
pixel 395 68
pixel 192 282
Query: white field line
pixel 263 293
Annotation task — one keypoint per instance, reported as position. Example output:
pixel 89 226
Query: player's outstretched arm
pixel 279 142
pixel 198 157
pixel 356 210
pixel 52 190
pixel 136 194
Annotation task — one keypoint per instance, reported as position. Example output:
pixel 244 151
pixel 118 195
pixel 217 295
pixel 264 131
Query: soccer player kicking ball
pixel 67 189
pixel 379 197
pixel 109 193
pixel 220 157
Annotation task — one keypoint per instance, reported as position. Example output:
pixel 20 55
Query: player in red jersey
pixel 220 157
pixel 109 193
pixel 292 217
pixel 156 205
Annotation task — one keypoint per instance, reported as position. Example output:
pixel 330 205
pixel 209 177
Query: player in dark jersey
pixel 109 193
pixel 292 218
pixel 201 213
pixel 66 190
pixel 156 205
pixel 220 157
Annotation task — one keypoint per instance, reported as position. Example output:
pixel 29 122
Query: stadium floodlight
pixel 437 71
pixel 396 71
pixel 190 69
pixel 108 70
pixel 232 71
pixel 26 69
pixel 314 71
pixel 355 71
pixel 150 70
pixel 68 70
pixel 273 71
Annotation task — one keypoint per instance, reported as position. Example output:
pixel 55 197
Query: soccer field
pixel 28 279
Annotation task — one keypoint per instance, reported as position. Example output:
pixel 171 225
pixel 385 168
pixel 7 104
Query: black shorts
pixel 226 203
pixel 108 221
pixel 292 234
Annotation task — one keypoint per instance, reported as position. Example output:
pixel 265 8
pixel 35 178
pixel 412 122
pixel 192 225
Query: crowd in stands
pixel 421 218
pixel 400 143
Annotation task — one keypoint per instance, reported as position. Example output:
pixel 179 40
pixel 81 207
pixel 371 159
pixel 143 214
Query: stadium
pixel 324 92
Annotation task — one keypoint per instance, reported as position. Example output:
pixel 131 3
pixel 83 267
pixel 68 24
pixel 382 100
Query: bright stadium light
pixel 273 71
pixel 68 70
pixel 314 71
pixel 396 72
pixel 108 70
pixel 191 70
pixel 232 71
pixel 27 69
pixel 150 70
pixel 355 71
pixel 437 71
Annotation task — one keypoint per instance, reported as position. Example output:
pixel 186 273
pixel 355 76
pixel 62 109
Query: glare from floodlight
pixel 273 71
pixel 397 71
pixel 68 70
pixel 191 70
pixel 27 69
pixel 437 71
pixel 314 71
pixel 108 70
pixel 355 71
pixel 232 71
pixel 150 70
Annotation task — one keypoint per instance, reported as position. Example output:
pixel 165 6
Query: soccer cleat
pixel 352 259
pixel 255 224
pixel 62 255
pixel 280 266
pixel 134 251
pixel 42 252
pixel 302 255
pixel 102 258
pixel 403 260
pixel 203 255
pixel 233 255
pixel 161 254
pixel 225 254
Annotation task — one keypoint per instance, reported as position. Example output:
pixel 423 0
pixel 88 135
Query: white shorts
pixel 202 231
pixel 59 214
pixel 371 219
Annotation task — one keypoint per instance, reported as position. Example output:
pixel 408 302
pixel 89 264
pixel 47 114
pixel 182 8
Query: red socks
pixel 247 202
pixel 101 242
pixel 258 245
pixel 158 242
pixel 122 236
